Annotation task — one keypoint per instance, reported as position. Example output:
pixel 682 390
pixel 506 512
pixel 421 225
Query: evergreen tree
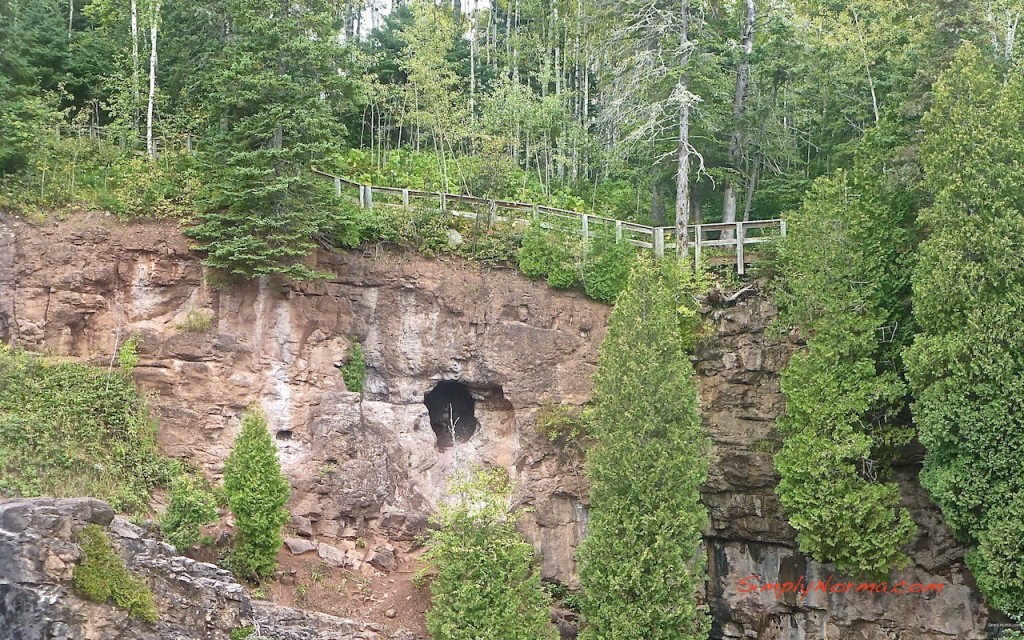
pixel 966 364
pixel 844 282
pixel 257 493
pixel 276 91
pixel 486 585
pixel 640 565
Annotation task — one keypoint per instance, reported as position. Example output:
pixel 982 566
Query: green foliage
pixel 551 254
pixel 606 266
pixel 640 567
pixel 128 355
pixel 257 493
pixel 102 576
pixel 196 321
pixel 844 283
pixel 68 429
pixel 354 371
pixel 486 584
pixel 560 423
pixel 242 633
pixel 965 364
pixel 192 504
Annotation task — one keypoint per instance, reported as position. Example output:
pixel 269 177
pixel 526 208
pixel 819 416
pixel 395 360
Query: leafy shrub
pixel 68 429
pixel 551 253
pixel 606 267
pixel 354 371
pixel 647 463
pixel 486 584
pixel 192 505
pixel 128 355
pixel 102 576
pixel 196 321
pixel 257 493
pixel 560 423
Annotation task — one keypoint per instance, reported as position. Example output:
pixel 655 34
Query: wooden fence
pixel 734 236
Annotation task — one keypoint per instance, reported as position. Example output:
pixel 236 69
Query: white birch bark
pixel 150 143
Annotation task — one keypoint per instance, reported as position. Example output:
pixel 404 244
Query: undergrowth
pixel 69 429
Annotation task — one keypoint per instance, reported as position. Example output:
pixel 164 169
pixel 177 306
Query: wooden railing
pixel 730 235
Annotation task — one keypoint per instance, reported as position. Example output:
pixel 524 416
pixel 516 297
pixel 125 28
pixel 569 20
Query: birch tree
pixel 153 29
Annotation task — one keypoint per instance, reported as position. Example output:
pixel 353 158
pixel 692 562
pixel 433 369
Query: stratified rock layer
pixel 194 600
pixel 366 465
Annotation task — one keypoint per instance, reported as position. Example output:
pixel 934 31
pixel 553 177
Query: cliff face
pixel 369 464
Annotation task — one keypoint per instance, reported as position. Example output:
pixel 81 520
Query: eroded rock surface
pixel 367 465
pixel 195 600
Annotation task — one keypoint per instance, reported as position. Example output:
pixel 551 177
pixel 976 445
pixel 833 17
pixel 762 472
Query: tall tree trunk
pixel 71 16
pixel 683 172
pixel 738 104
pixel 150 143
pixel 135 68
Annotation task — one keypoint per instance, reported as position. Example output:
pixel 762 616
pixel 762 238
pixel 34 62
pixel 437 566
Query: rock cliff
pixel 369 465
pixel 195 600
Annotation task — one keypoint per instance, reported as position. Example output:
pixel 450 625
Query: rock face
pixel 750 544
pixel 368 465
pixel 195 600
pixel 362 462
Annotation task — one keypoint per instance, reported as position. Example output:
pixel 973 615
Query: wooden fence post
pixel 337 186
pixel 618 231
pixel 659 241
pixel 369 196
pixel 586 229
pixel 492 211
pixel 444 201
pixel 405 198
pixel 696 247
pixel 362 196
pixel 536 213
pixel 739 248
pixel 782 228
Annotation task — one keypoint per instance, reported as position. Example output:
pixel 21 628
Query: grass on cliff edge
pixel 68 429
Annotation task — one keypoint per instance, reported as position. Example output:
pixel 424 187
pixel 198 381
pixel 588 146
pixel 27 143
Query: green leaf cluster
pixel 102 576
pixel 486 583
pixel 192 504
pixel 966 365
pixel 68 429
pixel 354 371
pixel 257 493
pixel 640 564
pixel 600 265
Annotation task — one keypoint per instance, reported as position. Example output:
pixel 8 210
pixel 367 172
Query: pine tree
pixel 275 94
pixel 257 493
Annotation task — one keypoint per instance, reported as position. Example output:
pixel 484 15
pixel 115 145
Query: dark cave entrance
pixel 452 417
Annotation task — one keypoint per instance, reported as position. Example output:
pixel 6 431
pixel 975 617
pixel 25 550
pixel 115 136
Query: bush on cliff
pixel 102 576
pixel 68 429
pixel 486 584
pixel 256 492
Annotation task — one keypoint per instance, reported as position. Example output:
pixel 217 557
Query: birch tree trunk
pixel 738 105
pixel 135 68
pixel 683 173
pixel 150 144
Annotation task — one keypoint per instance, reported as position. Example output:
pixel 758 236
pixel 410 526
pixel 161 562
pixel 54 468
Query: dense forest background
pixel 889 134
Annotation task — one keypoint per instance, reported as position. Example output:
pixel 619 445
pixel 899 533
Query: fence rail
pixel 734 235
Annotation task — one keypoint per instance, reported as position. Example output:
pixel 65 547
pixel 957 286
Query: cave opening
pixel 452 412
